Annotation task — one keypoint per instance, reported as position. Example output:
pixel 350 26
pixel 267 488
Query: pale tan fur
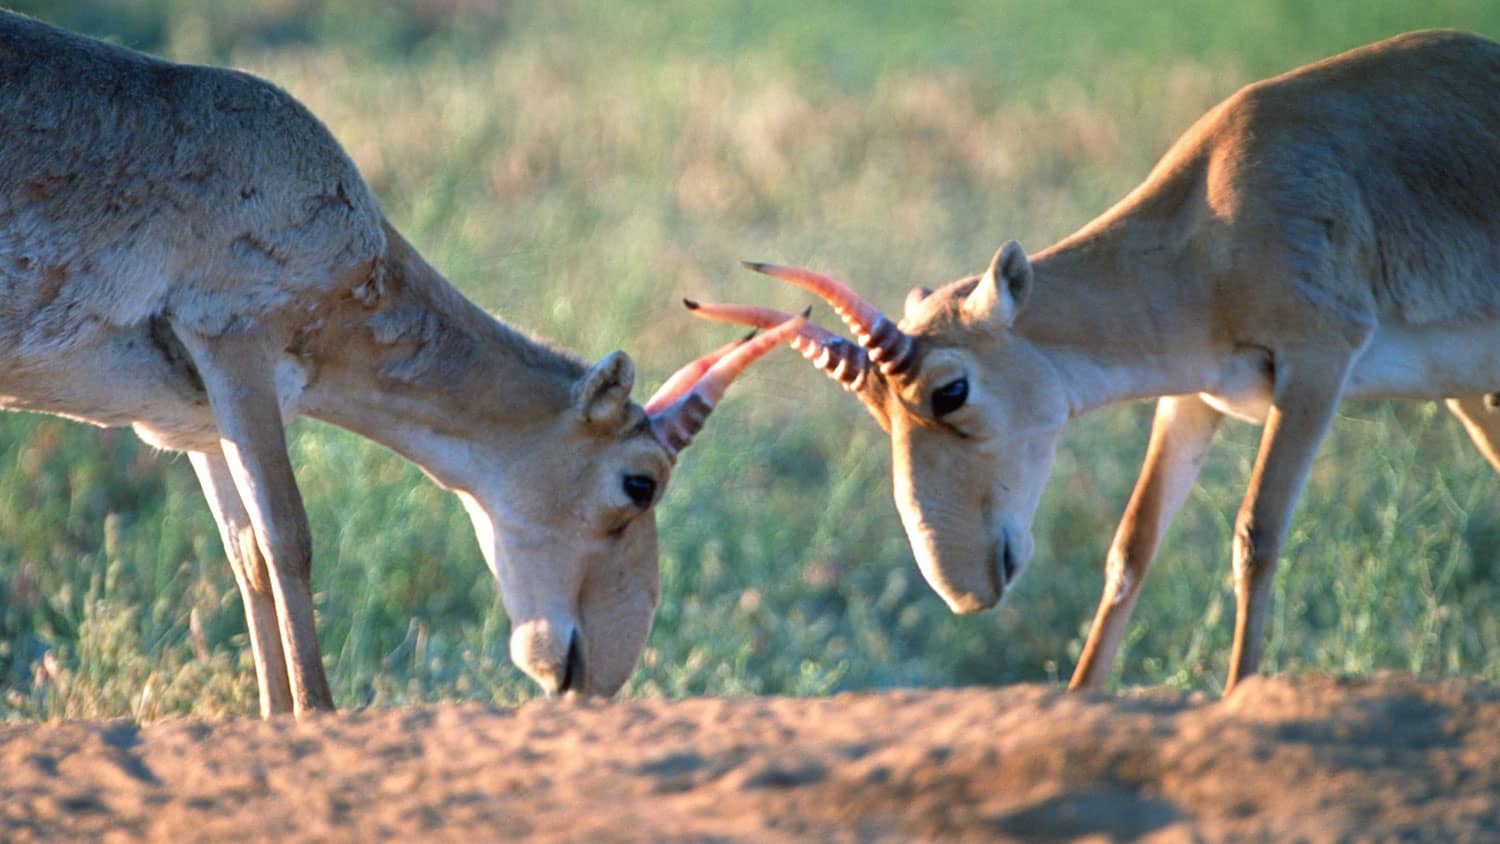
pixel 1331 233
pixel 188 251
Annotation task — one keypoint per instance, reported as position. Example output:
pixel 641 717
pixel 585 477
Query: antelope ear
pixel 603 393
pixel 915 298
pixel 1003 288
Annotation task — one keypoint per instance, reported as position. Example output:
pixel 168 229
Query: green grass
pixel 578 167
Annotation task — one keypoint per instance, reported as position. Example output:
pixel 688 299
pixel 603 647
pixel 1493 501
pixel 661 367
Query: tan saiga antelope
pixel 186 250
pixel 1331 233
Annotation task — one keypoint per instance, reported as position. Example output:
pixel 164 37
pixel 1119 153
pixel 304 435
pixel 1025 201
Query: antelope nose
pixel 551 653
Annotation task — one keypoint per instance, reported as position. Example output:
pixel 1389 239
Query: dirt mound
pixel 1285 758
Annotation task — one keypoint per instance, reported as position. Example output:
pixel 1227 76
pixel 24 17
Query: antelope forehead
pixel 934 316
pixel 634 451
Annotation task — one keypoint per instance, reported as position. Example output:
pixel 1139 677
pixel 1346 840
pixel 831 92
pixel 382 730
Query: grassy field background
pixel 577 167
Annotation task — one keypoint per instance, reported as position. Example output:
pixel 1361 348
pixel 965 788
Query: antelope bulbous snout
pixel 552 654
pixel 974 578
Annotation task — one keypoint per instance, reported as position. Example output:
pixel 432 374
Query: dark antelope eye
pixel 950 397
pixel 641 489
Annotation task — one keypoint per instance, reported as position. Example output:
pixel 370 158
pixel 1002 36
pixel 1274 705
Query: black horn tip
pixel 758 266
pixel 689 304
pixel 748 337
pixel 807 312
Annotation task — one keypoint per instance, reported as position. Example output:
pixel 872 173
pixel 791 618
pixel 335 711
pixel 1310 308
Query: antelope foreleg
pixel 1181 432
pixel 1309 382
pixel 238 373
pixel 1482 421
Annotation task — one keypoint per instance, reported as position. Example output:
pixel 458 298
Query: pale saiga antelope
pixel 1330 233
pixel 187 251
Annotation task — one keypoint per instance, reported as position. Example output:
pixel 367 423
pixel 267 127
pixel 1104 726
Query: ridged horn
pixel 683 379
pixel 838 358
pixel 676 424
pixel 890 348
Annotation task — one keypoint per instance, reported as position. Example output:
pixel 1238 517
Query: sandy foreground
pixel 1286 758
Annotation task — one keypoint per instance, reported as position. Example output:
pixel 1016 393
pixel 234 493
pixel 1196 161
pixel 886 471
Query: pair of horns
pixel 889 347
pixel 843 361
pixel 680 407
pixel 880 342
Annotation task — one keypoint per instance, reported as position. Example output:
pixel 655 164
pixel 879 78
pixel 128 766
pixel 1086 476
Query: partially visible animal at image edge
pixel 188 251
pixel 1330 233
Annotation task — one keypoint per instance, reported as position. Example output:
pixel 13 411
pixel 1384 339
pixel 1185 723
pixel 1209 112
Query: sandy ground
pixel 1284 759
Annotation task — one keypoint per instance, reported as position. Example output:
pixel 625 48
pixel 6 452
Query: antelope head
pixel 973 413
pixel 575 548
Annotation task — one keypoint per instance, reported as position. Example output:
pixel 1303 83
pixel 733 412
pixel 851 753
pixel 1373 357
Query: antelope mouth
pixel 1009 568
pixel 573 667
pixel 1005 567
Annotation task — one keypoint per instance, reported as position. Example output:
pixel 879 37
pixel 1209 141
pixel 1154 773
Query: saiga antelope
pixel 188 251
pixel 1330 233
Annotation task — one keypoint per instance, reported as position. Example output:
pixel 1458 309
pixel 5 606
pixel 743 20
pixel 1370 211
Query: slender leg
pixel 238 374
pixel 1180 436
pixel 1309 382
pixel 253 577
pixel 1483 424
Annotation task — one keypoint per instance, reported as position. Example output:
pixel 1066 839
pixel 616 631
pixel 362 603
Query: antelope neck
pixel 423 369
pixel 1119 317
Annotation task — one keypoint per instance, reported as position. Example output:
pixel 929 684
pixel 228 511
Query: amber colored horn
pixel 683 379
pixel 889 347
pixel 839 359
pixel 677 424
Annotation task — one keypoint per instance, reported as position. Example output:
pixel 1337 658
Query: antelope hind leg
pixel 253 577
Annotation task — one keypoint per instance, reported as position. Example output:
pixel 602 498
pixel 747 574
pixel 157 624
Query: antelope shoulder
pixel 135 187
pixel 1367 180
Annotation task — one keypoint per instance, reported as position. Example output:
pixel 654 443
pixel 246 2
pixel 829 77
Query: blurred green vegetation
pixel 576 167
